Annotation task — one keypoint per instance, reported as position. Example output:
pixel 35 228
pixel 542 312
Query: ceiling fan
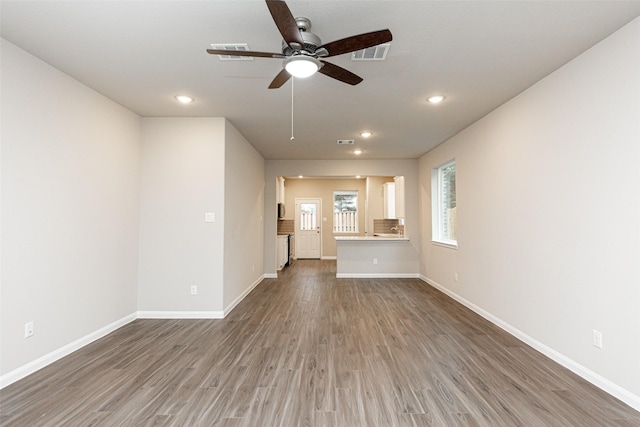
pixel 301 48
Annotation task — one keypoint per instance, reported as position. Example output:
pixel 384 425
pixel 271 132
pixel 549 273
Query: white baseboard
pixel 377 276
pixel 31 367
pixel 270 275
pixel 180 314
pixel 242 296
pixel 47 359
pixel 595 379
pixel 328 257
pixel 200 314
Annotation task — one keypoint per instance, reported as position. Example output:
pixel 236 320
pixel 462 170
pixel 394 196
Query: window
pixel 443 190
pixel 308 216
pixel 345 212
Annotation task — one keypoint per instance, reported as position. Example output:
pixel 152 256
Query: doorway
pixel 308 232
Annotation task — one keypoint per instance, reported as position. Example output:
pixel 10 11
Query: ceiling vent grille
pixel 375 53
pixel 345 141
pixel 232 46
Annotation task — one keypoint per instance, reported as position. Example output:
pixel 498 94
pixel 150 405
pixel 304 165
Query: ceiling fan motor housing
pixel 311 41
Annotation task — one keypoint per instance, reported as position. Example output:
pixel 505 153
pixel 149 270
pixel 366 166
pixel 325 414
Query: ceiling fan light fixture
pixel 301 66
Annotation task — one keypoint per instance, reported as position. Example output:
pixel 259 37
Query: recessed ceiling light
pixel 357 152
pixel 435 99
pixel 185 99
pixel 357 176
pixel 300 176
pixel 365 134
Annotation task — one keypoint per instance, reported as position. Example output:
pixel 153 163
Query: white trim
pixel 47 359
pixel 445 244
pixel 242 296
pixel 270 275
pixel 595 379
pixel 377 276
pixel 328 257
pixel 181 315
pixel 33 366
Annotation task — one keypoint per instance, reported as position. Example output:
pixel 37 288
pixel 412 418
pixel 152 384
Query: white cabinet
pixel 389 194
pixel 399 182
pixel 393 193
pixel 280 190
pixel 282 249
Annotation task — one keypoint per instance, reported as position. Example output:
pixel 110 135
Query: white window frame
pixel 355 228
pixel 437 217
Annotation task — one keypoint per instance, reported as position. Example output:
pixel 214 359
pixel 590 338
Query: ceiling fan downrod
pixel 292 137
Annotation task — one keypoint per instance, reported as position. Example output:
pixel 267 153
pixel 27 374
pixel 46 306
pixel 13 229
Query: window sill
pixel 445 244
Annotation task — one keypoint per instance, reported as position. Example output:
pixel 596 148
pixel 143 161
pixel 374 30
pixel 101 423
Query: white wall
pixel 339 168
pixel 549 214
pixel 244 223
pixel 103 215
pixel 182 178
pixel 191 166
pixel 70 162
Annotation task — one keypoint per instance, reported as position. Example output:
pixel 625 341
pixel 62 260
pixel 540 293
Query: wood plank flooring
pixel 308 349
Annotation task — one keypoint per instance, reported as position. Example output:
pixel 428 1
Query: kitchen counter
pixel 375 256
pixel 382 238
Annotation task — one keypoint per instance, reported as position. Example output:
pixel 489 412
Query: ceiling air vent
pixel 375 53
pixel 232 46
pixel 345 141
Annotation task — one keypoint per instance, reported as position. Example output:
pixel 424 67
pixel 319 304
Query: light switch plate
pixel 209 217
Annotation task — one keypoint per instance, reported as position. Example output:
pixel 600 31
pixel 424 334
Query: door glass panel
pixel 308 216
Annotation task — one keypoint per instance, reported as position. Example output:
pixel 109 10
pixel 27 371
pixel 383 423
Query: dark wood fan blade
pixel 361 41
pixel 286 23
pixel 245 53
pixel 339 73
pixel 282 77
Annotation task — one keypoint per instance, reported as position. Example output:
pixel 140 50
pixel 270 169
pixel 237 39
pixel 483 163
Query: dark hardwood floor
pixel 308 349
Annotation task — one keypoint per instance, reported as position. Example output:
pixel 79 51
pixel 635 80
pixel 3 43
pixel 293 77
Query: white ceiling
pixel 478 54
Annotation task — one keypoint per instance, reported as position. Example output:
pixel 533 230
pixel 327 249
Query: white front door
pixel 308 212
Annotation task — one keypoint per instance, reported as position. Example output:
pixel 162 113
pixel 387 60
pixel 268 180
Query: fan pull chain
pixel 292 137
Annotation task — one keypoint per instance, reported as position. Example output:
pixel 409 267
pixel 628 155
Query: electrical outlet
pixel 597 338
pixel 28 329
pixel 253 267
pixel 375 261
pixel 455 276
pixel 194 290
